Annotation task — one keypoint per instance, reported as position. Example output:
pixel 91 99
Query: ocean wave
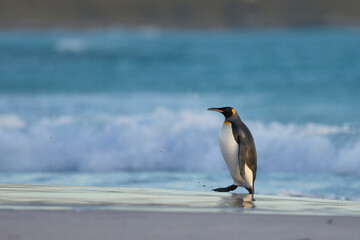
pixel 167 140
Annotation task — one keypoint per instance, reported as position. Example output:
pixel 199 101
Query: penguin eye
pixel 233 112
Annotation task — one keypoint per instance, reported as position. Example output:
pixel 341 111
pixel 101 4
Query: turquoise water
pixel 74 103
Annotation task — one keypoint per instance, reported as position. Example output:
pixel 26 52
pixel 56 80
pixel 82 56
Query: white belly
pixel 229 149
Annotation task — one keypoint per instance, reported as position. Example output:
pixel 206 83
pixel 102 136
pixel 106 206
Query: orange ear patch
pixel 233 111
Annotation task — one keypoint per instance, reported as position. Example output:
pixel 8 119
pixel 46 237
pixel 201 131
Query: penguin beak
pixel 215 109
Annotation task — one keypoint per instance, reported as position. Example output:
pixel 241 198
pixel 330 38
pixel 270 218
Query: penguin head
pixel 228 112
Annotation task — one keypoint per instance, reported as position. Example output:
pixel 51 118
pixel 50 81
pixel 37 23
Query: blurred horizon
pixel 178 13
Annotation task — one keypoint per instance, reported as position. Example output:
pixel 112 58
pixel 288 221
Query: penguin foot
pixel 226 189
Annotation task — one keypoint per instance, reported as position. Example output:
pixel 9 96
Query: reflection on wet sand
pixel 146 199
pixel 236 200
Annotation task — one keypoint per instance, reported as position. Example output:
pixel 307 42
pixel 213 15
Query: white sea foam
pixel 11 122
pixel 167 140
pixel 72 45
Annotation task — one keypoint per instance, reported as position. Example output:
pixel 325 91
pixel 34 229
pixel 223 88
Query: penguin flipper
pixel 242 159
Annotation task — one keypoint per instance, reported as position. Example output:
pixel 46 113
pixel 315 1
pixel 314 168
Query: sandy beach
pixel 77 212
pixel 100 224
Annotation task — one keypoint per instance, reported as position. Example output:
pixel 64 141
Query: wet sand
pixel 71 212
pixel 43 197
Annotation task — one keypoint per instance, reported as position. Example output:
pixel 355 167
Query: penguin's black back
pixel 245 139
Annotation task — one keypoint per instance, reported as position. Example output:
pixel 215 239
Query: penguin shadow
pixel 236 200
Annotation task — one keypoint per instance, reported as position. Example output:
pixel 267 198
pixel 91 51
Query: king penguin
pixel 238 150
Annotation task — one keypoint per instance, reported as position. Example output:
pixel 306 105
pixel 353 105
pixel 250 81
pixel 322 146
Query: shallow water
pixel 139 199
pixel 325 185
